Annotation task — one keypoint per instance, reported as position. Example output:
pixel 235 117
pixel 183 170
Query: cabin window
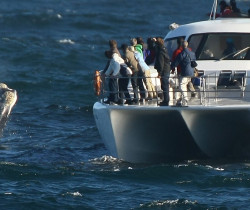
pixel 171 45
pixel 225 46
pixel 195 41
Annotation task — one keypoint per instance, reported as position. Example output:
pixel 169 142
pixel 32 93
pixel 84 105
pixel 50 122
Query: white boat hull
pixel 145 134
pixel 159 134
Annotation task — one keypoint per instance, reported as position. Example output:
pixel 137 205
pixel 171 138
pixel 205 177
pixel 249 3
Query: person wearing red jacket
pixel 225 9
pixel 176 53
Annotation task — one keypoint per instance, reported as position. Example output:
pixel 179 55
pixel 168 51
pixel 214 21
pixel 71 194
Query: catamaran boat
pixel 214 125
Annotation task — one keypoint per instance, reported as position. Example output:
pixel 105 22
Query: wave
pixel 169 204
pixel 75 194
pixel 108 164
pixel 66 41
pixel 21 19
pixel 106 159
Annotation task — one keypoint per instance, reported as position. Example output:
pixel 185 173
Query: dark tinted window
pixel 232 46
pixel 171 45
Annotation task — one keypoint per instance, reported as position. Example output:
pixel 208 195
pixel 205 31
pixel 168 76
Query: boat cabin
pixel 216 43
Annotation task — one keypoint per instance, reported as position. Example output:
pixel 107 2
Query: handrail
pixel 213 10
pixel 209 91
pixel 235 53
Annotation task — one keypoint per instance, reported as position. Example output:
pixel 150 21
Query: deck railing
pixel 218 87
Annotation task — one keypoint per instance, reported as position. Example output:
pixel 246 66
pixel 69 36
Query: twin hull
pixel 159 134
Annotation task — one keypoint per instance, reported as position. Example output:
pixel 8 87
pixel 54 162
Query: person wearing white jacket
pixel 117 68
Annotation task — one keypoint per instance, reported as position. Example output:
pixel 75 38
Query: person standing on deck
pixel 136 45
pixel 162 65
pixel 112 82
pixel 234 7
pixel 144 46
pixel 113 47
pixel 116 69
pixel 148 81
pixel 184 60
pixel 149 55
pixel 225 9
pixel 137 74
pixel 175 54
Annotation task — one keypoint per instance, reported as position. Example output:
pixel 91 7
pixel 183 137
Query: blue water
pixel 51 155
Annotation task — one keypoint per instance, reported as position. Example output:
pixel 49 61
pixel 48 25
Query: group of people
pixel 134 63
pixel 229 9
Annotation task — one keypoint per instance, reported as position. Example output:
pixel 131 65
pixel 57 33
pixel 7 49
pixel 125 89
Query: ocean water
pixel 51 155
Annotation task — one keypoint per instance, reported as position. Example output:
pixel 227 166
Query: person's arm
pixel 117 68
pixel 110 68
pixel 160 64
pixel 176 61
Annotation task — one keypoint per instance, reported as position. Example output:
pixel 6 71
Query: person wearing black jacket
pixel 162 65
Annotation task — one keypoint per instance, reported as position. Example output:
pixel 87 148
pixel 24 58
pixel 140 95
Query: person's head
pixel 108 54
pixel 229 40
pixel 160 41
pixel 233 3
pixel 184 44
pixel 124 47
pixel 150 43
pixel 112 44
pixel 223 5
pixel 140 40
pixel 179 41
pixel 133 41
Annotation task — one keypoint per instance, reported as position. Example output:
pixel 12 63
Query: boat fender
pixel 97 82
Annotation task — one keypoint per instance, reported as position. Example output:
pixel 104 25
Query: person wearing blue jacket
pixel 184 60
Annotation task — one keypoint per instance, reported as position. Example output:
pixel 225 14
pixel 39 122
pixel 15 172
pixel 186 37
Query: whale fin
pixel 8 98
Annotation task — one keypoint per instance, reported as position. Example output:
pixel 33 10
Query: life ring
pixel 97 83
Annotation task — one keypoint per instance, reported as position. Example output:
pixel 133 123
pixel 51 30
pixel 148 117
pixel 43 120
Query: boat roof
pixel 219 25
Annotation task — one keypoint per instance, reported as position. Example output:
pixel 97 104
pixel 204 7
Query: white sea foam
pixel 183 182
pixel 66 41
pixel 59 16
pixel 11 163
pixel 109 163
pixel 181 165
pixel 217 169
pixel 105 159
pixel 77 194
pixel 168 203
